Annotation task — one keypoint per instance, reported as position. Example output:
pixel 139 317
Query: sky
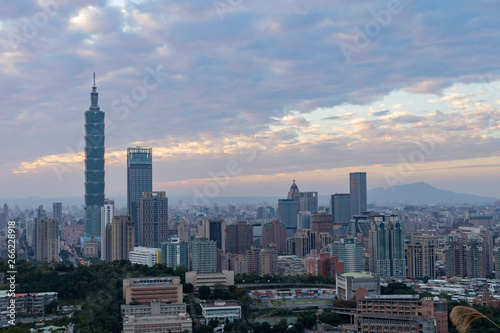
pixel 240 97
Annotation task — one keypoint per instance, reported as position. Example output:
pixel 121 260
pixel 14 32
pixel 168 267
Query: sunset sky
pixel 262 91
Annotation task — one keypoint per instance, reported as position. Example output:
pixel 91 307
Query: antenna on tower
pixel 94 80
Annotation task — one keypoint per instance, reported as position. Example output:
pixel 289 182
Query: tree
pixel 204 292
pixel 187 288
pixel 330 318
pixel 51 307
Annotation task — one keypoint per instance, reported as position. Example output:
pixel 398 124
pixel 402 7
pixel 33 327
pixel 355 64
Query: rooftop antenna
pixel 94 80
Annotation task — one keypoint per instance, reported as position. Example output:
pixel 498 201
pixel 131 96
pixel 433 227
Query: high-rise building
pixel 294 193
pixel 358 194
pixel 323 264
pixel 304 241
pixel 265 212
pixel 106 222
pixel 288 209
pixel 175 253
pixel 94 165
pixel 122 237
pixel 308 202
pixel 322 222
pixel 469 253
pixel 239 237
pixel 340 208
pixel 57 211
pixel 215 230
pixel 421 257
pixel 386 243
pixel 184 231
pixel 203 255
pixel 274 233
pixel 350 252
pixel 496 252
pixel 153 219
pixel 47 239
pixel 139 180
pixel 304 220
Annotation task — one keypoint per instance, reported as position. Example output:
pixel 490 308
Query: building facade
pixel 139 180
pixel 340 208
pixel 351 253
pixel 94 165
pixel 239 237
pixel 106 222
pixel 175 253
pixel 122 237
pixel 203 255
pixel 153 219
pixel 358 193
pixel 421 257
pixel 308 202
pixel 47 239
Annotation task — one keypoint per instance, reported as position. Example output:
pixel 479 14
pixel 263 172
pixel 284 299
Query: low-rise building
pixel 28 304
pixel 159 324
pixel 225 278
pixel 143 290
pixel 221 310
pixel 348 283
pixel 145 256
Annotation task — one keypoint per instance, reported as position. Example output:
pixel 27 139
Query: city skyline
pixel 263 92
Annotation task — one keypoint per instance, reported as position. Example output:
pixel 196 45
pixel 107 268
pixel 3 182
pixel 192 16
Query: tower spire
pixel 94 81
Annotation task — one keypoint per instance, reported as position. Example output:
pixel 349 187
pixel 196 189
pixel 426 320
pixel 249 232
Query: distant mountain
pixel 422 193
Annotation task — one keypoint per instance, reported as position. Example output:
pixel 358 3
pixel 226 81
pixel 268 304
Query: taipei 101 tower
pixel 94 165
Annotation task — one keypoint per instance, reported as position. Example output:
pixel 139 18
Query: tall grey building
pixel 358 194
pixel 350 252
pixel 308 202
pixel 94 165
pixel 57 211
pixel 154 219
pixel 139 180
pixel 107 212
pixel 340 208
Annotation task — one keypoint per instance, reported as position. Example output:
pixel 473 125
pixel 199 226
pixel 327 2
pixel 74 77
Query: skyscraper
pixel 94 165
pixel 358 195
pixel 387 248
pixel 308 202
pixel 421 257
pixel 57 211
pixel 215 230
pixel 139 180
pixel 107 212
pixel 288 209
pixel 47 239
pixel 340 208
pixel 294 193
pixel 274 233
pixel 154 219
pixel 122 237
pixel 239 237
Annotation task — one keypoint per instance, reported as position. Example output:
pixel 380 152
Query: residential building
pixel 184 231
pixel 153 219
pixel 322 264
pixel 350 252
pixel 139 180
pixel 386 243
pixel 47 239
pixel 214 230
pixel 122 237
pixel 94 165
pixel 322 222
pixel 203 255
pixel 27 304
pixel 175 253
pixel 57 211
pixel 107 212
pixel 421 257
pixel 274 233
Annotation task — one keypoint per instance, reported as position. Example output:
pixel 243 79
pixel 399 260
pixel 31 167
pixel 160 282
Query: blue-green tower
pixel 94 165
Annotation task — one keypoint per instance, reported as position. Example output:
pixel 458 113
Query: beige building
pixel 47 239
pixel 158 324
pixel 143 290
pixel 122 237
pixel 225 278
pixel 184 231
pixel 349 283
pixel 421 256
pixel 91 248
